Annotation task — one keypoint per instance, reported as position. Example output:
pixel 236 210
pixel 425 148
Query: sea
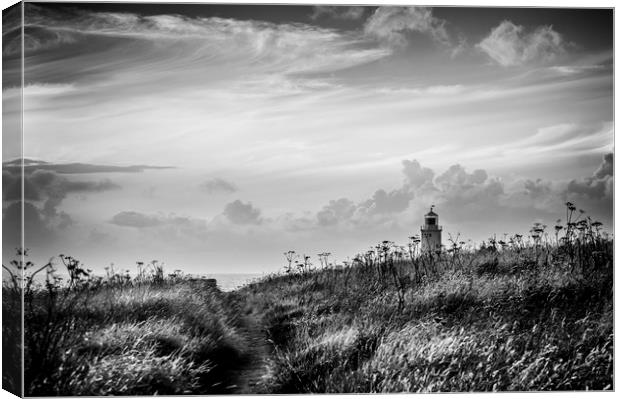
pixel 231 281
pixel 225 281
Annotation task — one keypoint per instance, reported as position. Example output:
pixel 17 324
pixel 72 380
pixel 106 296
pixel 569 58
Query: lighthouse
pixel 430 232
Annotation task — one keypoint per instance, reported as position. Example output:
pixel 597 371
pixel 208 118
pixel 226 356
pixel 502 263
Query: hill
pixel 524 314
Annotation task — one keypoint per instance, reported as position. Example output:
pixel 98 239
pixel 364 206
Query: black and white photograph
pixel 229 198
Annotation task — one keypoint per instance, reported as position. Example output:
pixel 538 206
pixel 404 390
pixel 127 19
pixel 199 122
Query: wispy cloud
pixel 75 168
pixel 509 44
pixel 259 46
pixel 338 12
pixel 154 229
pixel 568 138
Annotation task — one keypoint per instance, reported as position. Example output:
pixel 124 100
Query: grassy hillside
pixel 522 314
pixel 513 316
pixel 128 336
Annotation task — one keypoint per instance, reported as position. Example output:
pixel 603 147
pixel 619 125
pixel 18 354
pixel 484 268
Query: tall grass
pixel 518 314
pixel 12 332
pixel 121 335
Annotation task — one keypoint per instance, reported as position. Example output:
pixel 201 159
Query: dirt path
pixel 251 374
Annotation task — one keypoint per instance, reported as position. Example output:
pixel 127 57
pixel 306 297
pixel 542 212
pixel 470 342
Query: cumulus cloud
pixel 416 176
pixel 383 202
pixel 537 189
pixel 464 196
pixel 336 211
pixel 509 44
pixel 459 192
pixel 241 213
pixel 457 187
pixel 217 185
pixel 597 186
pixel 338 12
pixel 456 176
pixel 606 169
pixel 392 24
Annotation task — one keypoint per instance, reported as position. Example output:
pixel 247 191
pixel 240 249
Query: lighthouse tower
pixel 430 232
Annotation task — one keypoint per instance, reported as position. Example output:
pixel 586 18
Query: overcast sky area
pixel 215 138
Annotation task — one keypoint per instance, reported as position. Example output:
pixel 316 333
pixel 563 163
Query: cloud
pixel 12 188
pixel 47 185
pixel 172 229
pixel 568 137
pixel 74 168
pixel 44 191
pixel 240 213
pixel 474 190
pixel 338 12
pixel 247 47
pixel 383 202
pixel 456 176
pixel 36 229
pixel 417 176
pixel 538 188
pixel 135 219
pixel 391 25
pixel 217 185
pixel 336 211
pixel 606 169
pixel 382 205
pixel 53 189
pixel 462 196
pixel 509 44
pixel 597 186
pixel 455 188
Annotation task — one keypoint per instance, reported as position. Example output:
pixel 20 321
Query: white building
pixel 430 232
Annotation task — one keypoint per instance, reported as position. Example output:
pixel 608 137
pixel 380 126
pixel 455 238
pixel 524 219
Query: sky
pixel 214 138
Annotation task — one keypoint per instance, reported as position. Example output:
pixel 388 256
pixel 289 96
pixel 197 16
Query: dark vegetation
pixel 123 335
pixel 530 312
pixel 516 314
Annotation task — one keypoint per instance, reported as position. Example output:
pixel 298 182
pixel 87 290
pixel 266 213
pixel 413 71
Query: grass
pixel 130 337
pixel 11 339
pixel 519 314
pixel 538 330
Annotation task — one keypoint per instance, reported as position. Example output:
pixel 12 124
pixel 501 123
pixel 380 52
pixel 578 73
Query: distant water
pixel 225 281
pixel 232 281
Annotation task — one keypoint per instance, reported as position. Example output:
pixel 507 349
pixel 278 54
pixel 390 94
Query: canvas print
pixel 292 199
